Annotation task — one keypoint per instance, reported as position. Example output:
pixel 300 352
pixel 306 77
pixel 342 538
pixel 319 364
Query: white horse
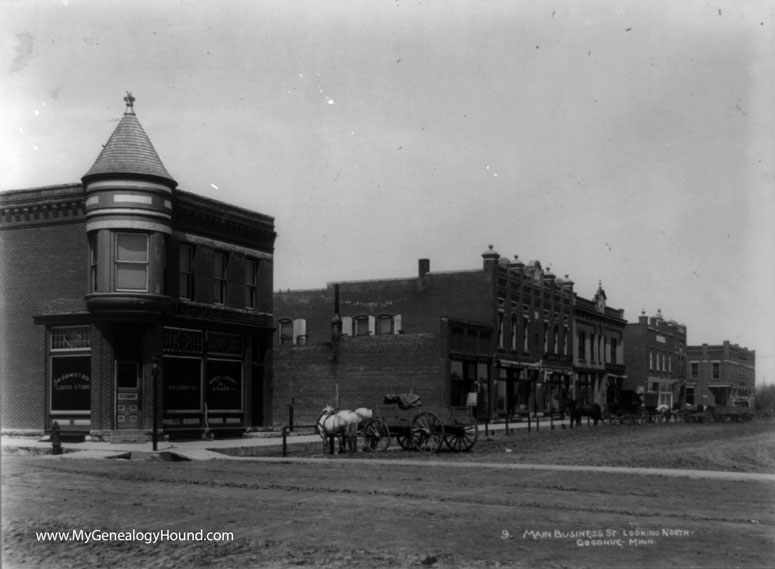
pixel 664 413
pixel 332 423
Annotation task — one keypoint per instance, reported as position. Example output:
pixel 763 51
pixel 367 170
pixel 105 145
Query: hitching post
pixel 56 441
pixel 155 376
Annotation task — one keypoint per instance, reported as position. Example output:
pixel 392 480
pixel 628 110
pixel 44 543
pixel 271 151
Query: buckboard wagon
pixel 420 427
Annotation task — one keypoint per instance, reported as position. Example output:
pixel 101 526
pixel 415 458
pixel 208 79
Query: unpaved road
pixel 364 512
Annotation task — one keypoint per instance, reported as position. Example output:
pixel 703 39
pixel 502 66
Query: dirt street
pixel 363 511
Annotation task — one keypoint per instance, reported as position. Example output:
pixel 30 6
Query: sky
pixel 620 142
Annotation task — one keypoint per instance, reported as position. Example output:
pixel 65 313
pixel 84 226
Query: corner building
pixel 721 375
pixel 108 283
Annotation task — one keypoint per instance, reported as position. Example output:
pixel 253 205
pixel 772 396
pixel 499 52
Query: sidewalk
pixel 199 449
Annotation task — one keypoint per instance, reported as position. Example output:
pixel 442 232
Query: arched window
pixel 361 326
pixel 385 324
pixel 285 331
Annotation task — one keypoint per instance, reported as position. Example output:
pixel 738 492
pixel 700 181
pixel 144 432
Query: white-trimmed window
pixel 285 332
pixel 300 331
pixel 132 262
pixel 361 326
pixel 385 324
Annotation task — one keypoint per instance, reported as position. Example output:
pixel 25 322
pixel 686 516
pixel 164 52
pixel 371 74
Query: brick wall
pixel 44 270
pixel 361 370
pixel 421 302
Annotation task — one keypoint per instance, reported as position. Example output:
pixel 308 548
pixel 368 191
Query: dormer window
pixel 132 262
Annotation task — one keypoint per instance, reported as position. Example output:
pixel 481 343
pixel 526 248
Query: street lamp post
pixel 155 403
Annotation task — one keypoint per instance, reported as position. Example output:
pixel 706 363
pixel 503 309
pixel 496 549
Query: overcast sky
pixel 623 142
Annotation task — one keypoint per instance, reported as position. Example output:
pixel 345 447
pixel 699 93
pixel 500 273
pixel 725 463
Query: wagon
pixel 731 414
pixel 419 427
pixel 629 409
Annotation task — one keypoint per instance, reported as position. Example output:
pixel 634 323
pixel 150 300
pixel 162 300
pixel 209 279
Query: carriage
pixel 419 427
pixel 629 409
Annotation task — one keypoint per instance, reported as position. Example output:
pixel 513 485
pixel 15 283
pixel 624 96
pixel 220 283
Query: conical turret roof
pixel 129 151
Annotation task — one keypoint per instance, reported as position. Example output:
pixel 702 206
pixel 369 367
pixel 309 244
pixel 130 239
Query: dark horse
pixel 576 411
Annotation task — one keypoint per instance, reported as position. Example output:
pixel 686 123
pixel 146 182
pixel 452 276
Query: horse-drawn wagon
pixel 419 427
pixel 629 409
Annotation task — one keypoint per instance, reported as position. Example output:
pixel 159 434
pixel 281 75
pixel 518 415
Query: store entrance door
pixel 128 395
pixel 128 373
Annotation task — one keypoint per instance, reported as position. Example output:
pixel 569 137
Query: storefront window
pixel 182 384
pixel 70 361
pixel 224 385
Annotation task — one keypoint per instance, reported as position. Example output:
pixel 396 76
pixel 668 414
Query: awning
pixel 663 380
pixel 512 363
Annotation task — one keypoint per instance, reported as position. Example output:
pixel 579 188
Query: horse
pixel 333 423
pixel 576 412
pixel 664 413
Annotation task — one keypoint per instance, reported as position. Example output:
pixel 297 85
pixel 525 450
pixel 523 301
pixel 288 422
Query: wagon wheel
pixel 427 432
pixel 376 435
pixel 463 436
pixel 404 439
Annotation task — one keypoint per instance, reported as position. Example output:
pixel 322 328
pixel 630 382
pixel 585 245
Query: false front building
pixel 124 278
pixel 503 333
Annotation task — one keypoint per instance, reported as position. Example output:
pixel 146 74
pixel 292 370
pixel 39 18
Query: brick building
pixel 503 331
pixel 122 277
pixel 598 361
pixel 655 352
pixel 720 375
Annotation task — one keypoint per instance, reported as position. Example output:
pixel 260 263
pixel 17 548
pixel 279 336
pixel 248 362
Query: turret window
pixel 132 262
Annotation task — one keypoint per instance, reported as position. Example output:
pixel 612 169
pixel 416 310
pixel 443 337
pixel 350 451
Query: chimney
pixel 336 321
pixel 423 267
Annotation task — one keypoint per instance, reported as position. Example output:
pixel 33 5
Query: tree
pixel 764 398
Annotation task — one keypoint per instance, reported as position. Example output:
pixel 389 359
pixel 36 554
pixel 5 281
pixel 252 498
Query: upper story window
pixel 221 260
pixel 132 262
pixel 385 324
pixel 186 272
pixel 716 370
pixel 93 262
pixel 500 329
pixel 251 283
pixel 525 333
pixel 361 326
pixel 513 332
pixel 285 330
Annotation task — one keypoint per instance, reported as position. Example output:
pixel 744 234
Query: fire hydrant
pixel 56 442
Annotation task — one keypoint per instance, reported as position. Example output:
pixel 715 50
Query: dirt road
pixel 364 512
